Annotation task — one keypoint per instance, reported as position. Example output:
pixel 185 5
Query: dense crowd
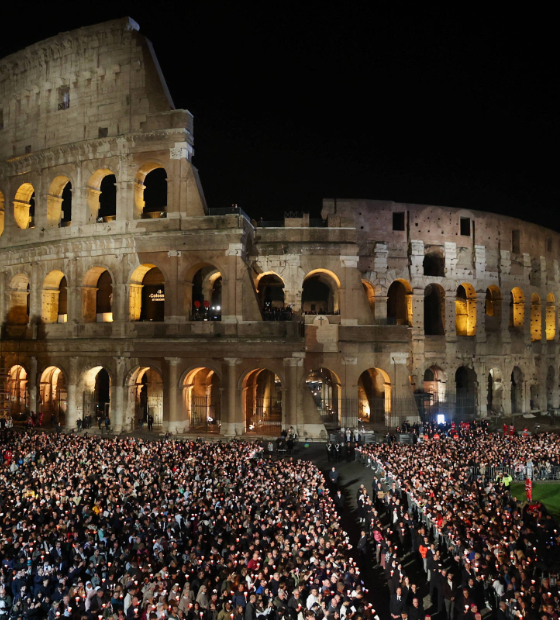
pixel 478 545
pixel 122 528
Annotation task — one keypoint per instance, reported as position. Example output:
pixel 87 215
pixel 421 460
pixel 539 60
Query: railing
pixel 270 223
pixel 205 415
pixel 230 211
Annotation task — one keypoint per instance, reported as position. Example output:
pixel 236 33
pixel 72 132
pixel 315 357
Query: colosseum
pixel 121 291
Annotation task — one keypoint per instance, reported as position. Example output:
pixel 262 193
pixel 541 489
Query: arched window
pixel 18 313
pixel 326 392
pixel 271 298
pixel 97 296
pixel 206 304
pixel 320 293
pixel 434 310
pixel 465 390
pixel 516 310
pixel 399 303
pixel 550 317
pixel 102 196
pixel 59 202
pixel 370 294
pixel 97 392
pixel 517 405
pixel 374 396
pixel 434 264
pixel 465 310
pixel 262 403
pixel 201 397
pixel 147 294
pixel 493 309
pixel 150 191
pixel 495 391
pixel 146 395
pixel 536 318
pixel 24 206
pixel 55 298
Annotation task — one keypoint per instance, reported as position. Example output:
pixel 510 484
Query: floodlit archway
pixel 434 310
pixel 206 294
pixel 431 400
pixel 97 296
pixel 516 309
pixel 374 396
pixel 24 206
pixel 327 394
pixel 270 291
pixel 96 393
pixel 493 309
pixel 202 400
pixel 54 308
pixel 145 396
pixel 102 196
pixel 147 294
pixel 495 392
pixel 465 391
pixel 59 202
pixel 465 310
pixel 550 317
pixel 53 394
pixel 517 389
pixel 150 191
pixel 18 312
pixel 320 293
pixel 262 402
pixel 18 391
pixel 434 264
pixel 536 318
pixel 370 294
pixel 399 303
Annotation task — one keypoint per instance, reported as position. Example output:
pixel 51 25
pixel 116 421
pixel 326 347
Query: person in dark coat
pixel 397 604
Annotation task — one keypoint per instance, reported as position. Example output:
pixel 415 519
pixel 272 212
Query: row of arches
pixel 150 198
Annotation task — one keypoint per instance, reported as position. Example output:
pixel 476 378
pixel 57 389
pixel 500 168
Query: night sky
pixel 296 102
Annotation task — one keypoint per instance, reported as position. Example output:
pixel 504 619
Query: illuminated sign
pixel 159 296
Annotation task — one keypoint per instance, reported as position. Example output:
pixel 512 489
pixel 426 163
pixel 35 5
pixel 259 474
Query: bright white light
pixel 440 418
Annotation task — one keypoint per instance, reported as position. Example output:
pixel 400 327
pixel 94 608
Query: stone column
pixel 74 408
pixel 117 396
pixel 449 316
pixel 349 417
pixel 32 384
pixel 173 423
pixel 291 417
pixel 380 307
pixel 231 425
pixel 481 316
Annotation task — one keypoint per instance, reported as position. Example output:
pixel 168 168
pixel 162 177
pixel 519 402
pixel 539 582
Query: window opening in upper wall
pixel 32 211
pixel 108 198
pixel 63 98
pixel 466 226
pixel 516 241
pixel 66 205
pixel 398 221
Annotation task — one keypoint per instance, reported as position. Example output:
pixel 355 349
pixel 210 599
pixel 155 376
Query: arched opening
pixel 146 396
pixel 399 303
pixel 102 196
pixel 18 313
pixel 465 392
pixel 53 395
pixel 494 401
pixel 327 395
pixel 24 206
pixel 434 310
pixel 517 390
pixel 320 293
pixel 97 393
pixel 374 396
pixel 370 294
pixel 432 398
pixel 97 296
pixel 59 202
pixel 271 298
pixel 202 400
pixel 150 191
pixel 465 310
pixel 516 310
pixel 54 308
pixel 207 294
pixel 18 391
pixel 2 213
pixel 550 374
pixel 493 309
pixel 434 264
pixel 536 318
pixel 262 402
pixel 147 294
pixel 550 317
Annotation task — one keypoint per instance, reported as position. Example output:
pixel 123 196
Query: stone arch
pixel 150 191
pixel 145 396
pixel 434 263
pixel 204 295
pixel 399 303
pixel 465 310
pixel 550 317
pixel 466 390
pixel 53 393
pixel 536 318
pixel 434 310
pixel 374 396
pixel 18 390
pixel 59 202
pixel 101 194
pixel 270 293
pixel 369 290
pixel 54 307
pixel 516 309
pixel 24 206
pixel 18 311
pixel 2 213
pixel 495 392
pixel 202 399
pixel 432 399
pixel 96 383
pixel 97 295
pixel 550 388
pixel 493 309
pixel 320 293
pixel 147 294
pixel 517 390
pixel 326 391
pixel 262 401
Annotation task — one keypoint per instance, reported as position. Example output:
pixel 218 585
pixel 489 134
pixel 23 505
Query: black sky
pixel 294 102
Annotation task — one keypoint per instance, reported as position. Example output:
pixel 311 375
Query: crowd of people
pixel 97 528
pixel 478 545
